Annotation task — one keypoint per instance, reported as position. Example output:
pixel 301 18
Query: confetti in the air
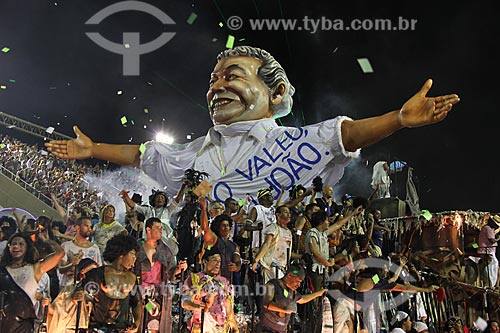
pixel 119 92
pixel 127 45
pixel 146 110
pixel 192 17
pixel 5 49
pixel 123 120
pixel 366 67
pixel 230 42
pixel 50 130
pixel 149 306
pixel 426 214
pixel 12 81
pixel 3 87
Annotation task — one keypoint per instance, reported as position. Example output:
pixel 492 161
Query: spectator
pixel 20 273
pixel 77 250
pixel 114 300
pixel 107 227
pixel 401 322
pixel 210 295
pixel 8 227
pixel 281 299
pixel 218 235
pixel 487 245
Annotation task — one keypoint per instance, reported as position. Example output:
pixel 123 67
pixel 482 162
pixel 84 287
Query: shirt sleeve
pixel 489 232
pixel 166 163
pixel 98 257
pixel 330 134
pixel 65 258
pixel 141 209
pixel 312 234
pixel 330 131
pixel 187 289
pixel 271 230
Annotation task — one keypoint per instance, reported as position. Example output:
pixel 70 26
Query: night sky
pixel 54 75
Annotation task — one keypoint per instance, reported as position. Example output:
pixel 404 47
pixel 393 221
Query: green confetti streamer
pixel 192 17
pixel 5 50
pixel 123 120
pixel 221 24
pixel 149 306
pixel 142 148
pixel 475 245
pixel 3 87
pixel 285 292
pixel 241 202
pixel 12 81
pixel 426 214
pixel 365 65
pixel 375 279
pixel 3 145
pixel 230 42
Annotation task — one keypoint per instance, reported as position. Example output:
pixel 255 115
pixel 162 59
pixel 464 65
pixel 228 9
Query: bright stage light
pixel 163 137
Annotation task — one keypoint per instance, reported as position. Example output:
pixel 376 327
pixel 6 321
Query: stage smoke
pixel 109 184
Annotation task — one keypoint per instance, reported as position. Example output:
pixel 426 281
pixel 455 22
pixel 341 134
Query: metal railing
pixel 28 187
pixel 28 127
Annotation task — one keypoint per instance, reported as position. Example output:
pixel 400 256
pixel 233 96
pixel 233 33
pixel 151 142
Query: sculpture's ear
pixel 278 93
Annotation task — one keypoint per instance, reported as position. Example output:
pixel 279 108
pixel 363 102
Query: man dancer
pixel 78 249
pixel 209 295
pixel 155 266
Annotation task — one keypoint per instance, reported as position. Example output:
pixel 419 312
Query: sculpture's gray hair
pixel 271 73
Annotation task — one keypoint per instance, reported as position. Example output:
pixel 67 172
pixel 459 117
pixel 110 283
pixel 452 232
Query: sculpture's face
pixel 236 92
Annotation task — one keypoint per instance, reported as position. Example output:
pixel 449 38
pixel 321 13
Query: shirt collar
pixel 258 129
